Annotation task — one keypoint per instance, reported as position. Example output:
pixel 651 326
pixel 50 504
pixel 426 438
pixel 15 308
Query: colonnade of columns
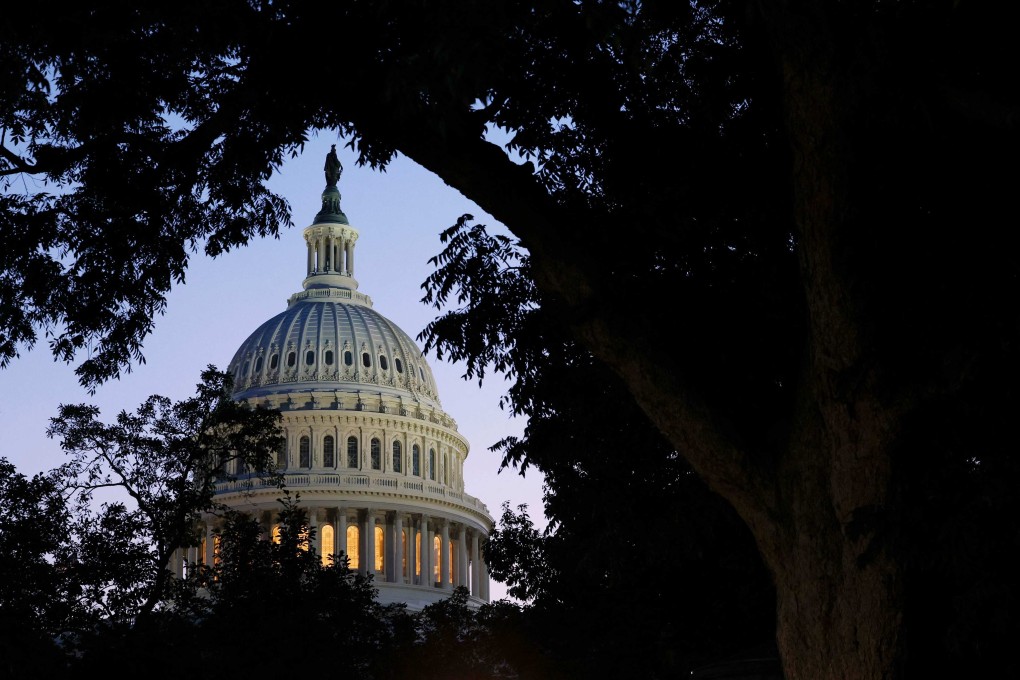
pixel 404 552
pixel 330 251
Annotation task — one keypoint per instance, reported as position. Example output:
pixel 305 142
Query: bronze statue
pixel 333 167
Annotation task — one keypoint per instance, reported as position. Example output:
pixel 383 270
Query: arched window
pixel 397 455
pixel 258 365
pixel 305 453
pixel 432 464
pixel 326 544
pixel 416 461
pixel 446 469
pixel 366 360
pixel 383 363
pixel 380 546
pixel 376 452
pixel 309 357
pixel 353 545
pixel 291 359
pixel 274 362
pixel 352 452
pixel 276 533
pixel 328 357
pixel 398 365
pixel 328 452
pixel 281 456
pixel 348 359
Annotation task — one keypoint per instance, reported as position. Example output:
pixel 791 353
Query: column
pixel 484 580
pixel 444 556
pixel 389 547
pixel 462 560
pixel 177 563
pixel 426 552
pixel 313 528
pixel 368 544
pixel 412 560
pixel 341 532
pixel 475 565
pixel 350 258
pixel 331 260
pixel 398 548
pixel 311 258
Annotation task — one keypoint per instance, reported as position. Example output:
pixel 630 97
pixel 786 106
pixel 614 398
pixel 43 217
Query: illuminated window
pixel 201 555
pixel 397 455
pixel 352 452
pixel 437 546
pixel 353 545
pixel 417 554
pixel 328 452
pixel 216 557
pixel 416 461
pixel 432 464
pixel 380 545
pixel 376 449
pixel 403 552
pixel 451 553
pixel 326 550
pixel 276 533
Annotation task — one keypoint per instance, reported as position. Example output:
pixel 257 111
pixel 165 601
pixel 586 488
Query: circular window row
pixel 327 359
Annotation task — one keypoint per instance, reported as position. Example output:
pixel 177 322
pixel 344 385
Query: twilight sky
pixel 399 214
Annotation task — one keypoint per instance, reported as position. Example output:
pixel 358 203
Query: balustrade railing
pixel 340 482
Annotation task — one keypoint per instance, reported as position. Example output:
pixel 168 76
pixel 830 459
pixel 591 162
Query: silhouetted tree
pixel 785 184
pixel 159 465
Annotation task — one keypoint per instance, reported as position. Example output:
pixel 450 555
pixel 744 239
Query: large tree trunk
pixel 838 587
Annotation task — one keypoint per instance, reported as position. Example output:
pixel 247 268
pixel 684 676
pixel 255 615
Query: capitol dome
pixel 369 450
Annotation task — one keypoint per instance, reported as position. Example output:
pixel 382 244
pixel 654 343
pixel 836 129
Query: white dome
pixel 376 461
pixel 325 341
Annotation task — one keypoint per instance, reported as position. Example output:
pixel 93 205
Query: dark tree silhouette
pixel 812 195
